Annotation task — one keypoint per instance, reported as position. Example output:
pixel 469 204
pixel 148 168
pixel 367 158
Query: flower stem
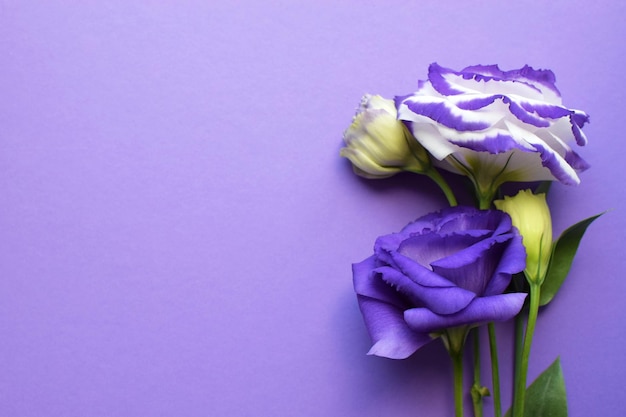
pixel 453 339
pixel 484 201
pixel 434 175
pixel 477 397
pixel 519 341
pixel 495 372
pixel 520 386
pixel 457 363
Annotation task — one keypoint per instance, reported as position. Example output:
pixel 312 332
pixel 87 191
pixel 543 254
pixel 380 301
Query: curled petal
pixel 426 287
pixel 473 268
pixel 428 248
pixel 483 309
pixel 512 261
pixel 367 283
pixel 391 336
pixel 444 113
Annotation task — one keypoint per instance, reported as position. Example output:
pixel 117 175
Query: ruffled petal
pixel 428 248
pixel 512 261
pixel 576 161
pixel 474 267
pixel 445 113
pixel 490 79
pixel 476 222
pixel 485 309
pixel 463 119
pixel 550 159
pixel 426 287
pixel 540 80
pixel 391 337
pixel 367 283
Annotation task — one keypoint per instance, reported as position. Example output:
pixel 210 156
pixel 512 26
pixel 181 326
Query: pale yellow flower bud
pixel 531 215
pixel 379 145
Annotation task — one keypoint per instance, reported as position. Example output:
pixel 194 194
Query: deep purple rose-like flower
pixel 496 126
pixel 445 270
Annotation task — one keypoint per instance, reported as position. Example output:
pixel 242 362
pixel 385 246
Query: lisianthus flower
pixel 378 144
pixel 446 270
pixel 496 126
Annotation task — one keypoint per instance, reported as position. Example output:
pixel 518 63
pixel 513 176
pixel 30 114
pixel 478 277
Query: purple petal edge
pixel 441 113
pixel 485 309
pixel 551 160
pixel 526 75
pixel 492 144
pixel 493 72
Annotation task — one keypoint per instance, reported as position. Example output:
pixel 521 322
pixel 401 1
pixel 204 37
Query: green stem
pixel 484 201
pixel 477 397
pixel 495 372
pixel 457 363
pixel 454 339
pixel 520 389
pixel 519 340
pixel 434 175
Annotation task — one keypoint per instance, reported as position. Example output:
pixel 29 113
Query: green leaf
pixel 562 256
pixel 546 397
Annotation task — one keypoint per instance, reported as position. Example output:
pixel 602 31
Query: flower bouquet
pixel 451 273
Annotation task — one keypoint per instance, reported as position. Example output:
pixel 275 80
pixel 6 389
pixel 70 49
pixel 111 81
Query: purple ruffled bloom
pixel 446 269
pixel 496 126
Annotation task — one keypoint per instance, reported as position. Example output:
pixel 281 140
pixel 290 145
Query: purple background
pixel 177 228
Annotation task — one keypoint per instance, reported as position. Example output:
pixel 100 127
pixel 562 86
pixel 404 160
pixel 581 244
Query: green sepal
pixel 563 252
pixel 546 397
pixel 543 187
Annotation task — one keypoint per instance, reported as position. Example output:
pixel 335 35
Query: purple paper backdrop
pixel 177 228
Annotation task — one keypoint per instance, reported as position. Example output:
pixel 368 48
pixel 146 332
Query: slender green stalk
pixel 454 339
pixel 457 363
pixel 484 201
pixel 520 389
pixel 434 175
pixel 519 341
pixel 477 397
pixel 495 372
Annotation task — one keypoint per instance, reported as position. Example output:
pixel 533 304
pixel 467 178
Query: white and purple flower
pixel 445 270
pixel 496 126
